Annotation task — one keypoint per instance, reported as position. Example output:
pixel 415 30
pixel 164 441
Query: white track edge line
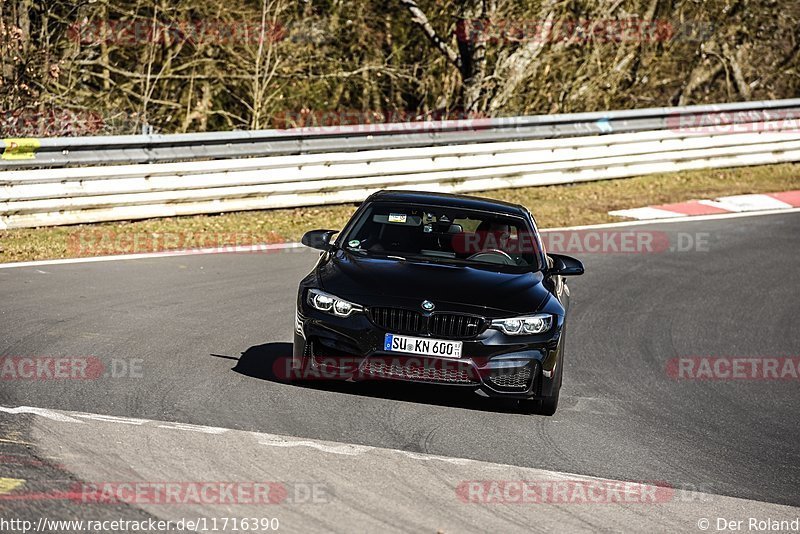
pixel 277 440
pixel 163 254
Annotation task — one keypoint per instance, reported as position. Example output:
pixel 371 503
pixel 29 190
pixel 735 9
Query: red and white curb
pixel 732 204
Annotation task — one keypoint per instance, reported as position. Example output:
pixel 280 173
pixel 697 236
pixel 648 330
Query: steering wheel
pixel 492 255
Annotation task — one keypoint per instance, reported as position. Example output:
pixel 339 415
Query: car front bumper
pixel 352 348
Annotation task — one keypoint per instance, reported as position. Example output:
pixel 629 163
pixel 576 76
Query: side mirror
pixel 565 265
pixel 318 239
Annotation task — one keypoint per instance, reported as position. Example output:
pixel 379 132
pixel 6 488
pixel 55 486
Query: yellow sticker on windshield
pixel 397 217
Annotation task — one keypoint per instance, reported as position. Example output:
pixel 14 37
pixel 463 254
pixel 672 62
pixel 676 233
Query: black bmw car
pixel 437 288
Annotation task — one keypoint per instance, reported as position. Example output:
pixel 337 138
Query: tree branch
pixel 421 20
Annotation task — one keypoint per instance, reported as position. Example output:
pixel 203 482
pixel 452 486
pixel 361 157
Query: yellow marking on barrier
pixel 20 148
pixel 7 485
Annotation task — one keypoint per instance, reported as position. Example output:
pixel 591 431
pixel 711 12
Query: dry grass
pixel 563 205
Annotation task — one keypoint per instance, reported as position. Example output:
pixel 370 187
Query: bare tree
pixel 470 57
pixel 200 65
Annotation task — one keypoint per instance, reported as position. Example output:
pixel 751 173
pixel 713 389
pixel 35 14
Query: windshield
pixel 444 235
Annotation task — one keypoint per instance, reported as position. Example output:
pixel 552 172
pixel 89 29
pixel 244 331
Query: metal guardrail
pixel 493 154
pixel 64 151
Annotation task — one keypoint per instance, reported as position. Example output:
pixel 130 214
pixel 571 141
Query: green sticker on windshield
pixel 354 243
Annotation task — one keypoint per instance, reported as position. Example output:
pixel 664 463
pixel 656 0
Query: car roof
pixel 448 200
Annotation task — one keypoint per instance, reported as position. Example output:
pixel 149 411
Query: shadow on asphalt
pixel 271 361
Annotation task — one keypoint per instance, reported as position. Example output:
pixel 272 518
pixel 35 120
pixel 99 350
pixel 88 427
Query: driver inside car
pixel 493 235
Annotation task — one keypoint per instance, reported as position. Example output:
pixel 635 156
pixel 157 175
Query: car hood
pixel 383 281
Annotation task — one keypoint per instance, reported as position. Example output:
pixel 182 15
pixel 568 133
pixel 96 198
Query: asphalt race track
pixel 201 336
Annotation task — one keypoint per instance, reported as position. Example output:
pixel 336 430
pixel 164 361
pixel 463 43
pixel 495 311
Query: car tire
pixel 543 405
pixel 548 405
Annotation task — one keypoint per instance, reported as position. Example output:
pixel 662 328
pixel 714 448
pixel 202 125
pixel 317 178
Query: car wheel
pixel 543 405
pixel 548 405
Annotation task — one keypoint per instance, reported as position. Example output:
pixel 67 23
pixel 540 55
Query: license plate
pixel 423 346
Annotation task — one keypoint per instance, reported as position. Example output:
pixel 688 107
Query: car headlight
pixel 524 326
pixel 325 302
